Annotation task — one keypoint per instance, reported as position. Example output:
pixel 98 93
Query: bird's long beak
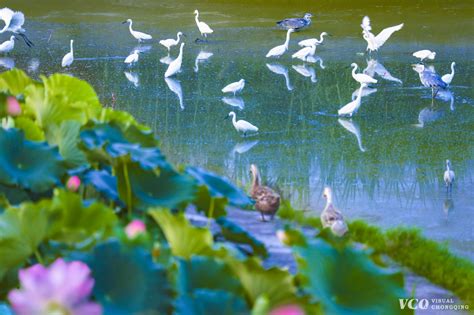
pixel 227 116
pixel 330 35
pixel 124 22
pixel 16 38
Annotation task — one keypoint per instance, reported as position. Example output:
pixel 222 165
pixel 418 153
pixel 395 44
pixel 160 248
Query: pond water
pixel 385 165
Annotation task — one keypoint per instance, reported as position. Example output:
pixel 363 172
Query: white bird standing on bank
pixel 424 54
pixel 69 57
pixel 332 217
pixel 352 107
pixel 138 35
pixel 362 78
pixel 175 65
pixel 204 29
pixel 449 176
pixel 241 125
pixel 375 42
pixel 14 23
pixel 132 58
pixel 281 49
pixel 168 43
pixel 8 45
pixel 235 87
pixel 305 52
pixel 313 41
pixel 448 78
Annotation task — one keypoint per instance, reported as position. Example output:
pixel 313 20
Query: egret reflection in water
pixel 306 71
pixel 166 60
pixel 446 96
pixel 314 59
pixel 353 128
pixel 448 206
pixel 234 101
pixel 132 77
pixel 281 70
pixel 7 62
pixel 33 65
pixel 429 115
pixel 201 57
pixel 243 147
pixel 375 67
pixel 142 49
pixel 175 87
pixel 366 91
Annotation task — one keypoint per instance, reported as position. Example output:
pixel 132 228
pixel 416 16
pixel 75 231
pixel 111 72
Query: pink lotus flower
pixel 290 309
pixel 62 288
pixel 13 106
pixel 134 228
pixel 73 183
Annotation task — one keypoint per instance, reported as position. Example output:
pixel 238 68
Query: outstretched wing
pixel 6 15
pixel 366 24
pixel 17 21
pixel 382 37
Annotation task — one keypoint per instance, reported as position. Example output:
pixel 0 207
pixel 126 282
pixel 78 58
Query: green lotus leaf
pixel 122 118
pixel 76 223
pixel 31 130
pixel 235 233
pixel 14 195
pixel 219 186
pixel 204 302
pixel 14 81
pixel 61 98
pixel 143 189
pixel 346 281
pixel 22 229
pixel 127 281
pixel 103 182
pixel 212 207
pixel 32 165
pixel 66 137
pixel 185 240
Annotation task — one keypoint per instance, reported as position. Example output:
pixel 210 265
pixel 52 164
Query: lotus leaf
pixel 32 165
pixel 66 137
pixel 14 81
pixel 122 118
pixel 347 281
pixel 213 207
pixel 103 182
pixel 204 302
pixel 32 131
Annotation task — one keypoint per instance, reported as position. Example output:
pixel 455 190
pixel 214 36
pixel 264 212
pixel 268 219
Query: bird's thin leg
pixel 28 42
pixel 436 93
pixel 263 217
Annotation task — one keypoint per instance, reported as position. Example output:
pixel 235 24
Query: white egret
pixel 448 78
pixel 204 29
pixel 279 69
pixel 132 58
pixel 281 49
pixel 352 107
pixel 449 176
pixel 353 128
pixel 235 102
pixel 8 45
pixel 175 65
pixel 201 57
pixel 69 57
pixel 332 217
pixel 424 54
pixel 133 78
pixel 306 71
pixel 375 67
pixel 168 43
pixel 361 77
pixel 234 87
pixel 136 34
pixel 305 52
pixel 175 87
pixel 241 125
pixel 14 23
pixel 375 42
pixel 313 41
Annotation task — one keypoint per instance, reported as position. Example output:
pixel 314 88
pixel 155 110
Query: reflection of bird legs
pixel 434 92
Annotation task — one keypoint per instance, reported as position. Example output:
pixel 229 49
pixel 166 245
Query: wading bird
pixel 132 58
pixel 14 23
pixel 352 107
pixel 332 217
pixel 69 57
pixel 235 87
pixel 305 52
pixel 175 65
pixel 448 78
pixel 449 176
pixel 424 54
pixel 296 23
pixel 313 41
pixel 267 201
pixel 168 43
pixel 241 125
pixel 280 49
pixel 362 78
pixel 8 45
pixel 204 29
pixel 375 42
pixel 136 34
pixel 430 79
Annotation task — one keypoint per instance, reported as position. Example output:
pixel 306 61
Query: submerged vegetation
pixel 89 185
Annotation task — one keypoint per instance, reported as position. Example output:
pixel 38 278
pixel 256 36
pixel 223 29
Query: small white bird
pixel 332 217
pixel 352 107
pixel 204 29
pixel 138 35
pixel 14 23
pixel 449 176
pixel 313 41
pixel 69 57
pixel 175 65
pixel 242 125
pixel 8 45
pixel 281 49
pixel 424 54
pixel 168 43
pixel 305 52
pixel 361 77
pixel 375 42
pixel 132 58
pixel 235 87
pixel 448 78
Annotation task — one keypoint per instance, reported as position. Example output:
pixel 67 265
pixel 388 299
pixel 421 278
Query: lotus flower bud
pixel 134 228
pixel 73 183
pixel 290 309
pixel 13 106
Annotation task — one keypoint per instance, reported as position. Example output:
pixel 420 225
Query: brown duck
pixel 267 201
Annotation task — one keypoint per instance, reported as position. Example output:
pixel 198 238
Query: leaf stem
pixel 211 212
pixel 129 189
pixel 38 256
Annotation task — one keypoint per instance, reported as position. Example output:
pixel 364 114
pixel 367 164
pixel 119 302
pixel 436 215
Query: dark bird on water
pixel 296 23
pixel 430 79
